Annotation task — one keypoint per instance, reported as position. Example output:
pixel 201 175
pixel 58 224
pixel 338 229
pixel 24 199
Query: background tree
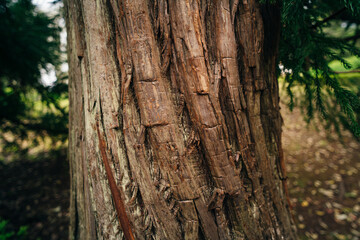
pixel 29 42
pixel 175 129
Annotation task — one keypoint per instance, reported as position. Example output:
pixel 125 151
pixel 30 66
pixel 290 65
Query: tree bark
pixel 175 129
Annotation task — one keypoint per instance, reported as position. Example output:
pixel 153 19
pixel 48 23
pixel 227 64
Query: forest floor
pixel 323 179
pixel 35 193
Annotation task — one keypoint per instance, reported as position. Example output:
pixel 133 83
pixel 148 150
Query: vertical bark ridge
pixel 186 27
pixel 195 158
pixel 143 204
pixel 157 213
pixel 194 48
pixel 271 115
pixel 158 117
pixel 237 108
pixel 189 48
pixel 102 89
pixel 82 224
pixel 192 157
pixel 256 86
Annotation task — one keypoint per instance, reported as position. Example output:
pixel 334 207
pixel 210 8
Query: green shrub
pixel 6 234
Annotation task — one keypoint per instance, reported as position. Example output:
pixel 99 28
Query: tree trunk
pixel 175 129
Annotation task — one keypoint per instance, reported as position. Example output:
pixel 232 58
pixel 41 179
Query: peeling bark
pixel 175 129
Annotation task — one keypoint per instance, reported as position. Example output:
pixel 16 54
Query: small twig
pixel 332 16
pixel 355 37
pixel 351 71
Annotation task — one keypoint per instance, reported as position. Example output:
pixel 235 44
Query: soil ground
pixel 323 178
pixel 35 193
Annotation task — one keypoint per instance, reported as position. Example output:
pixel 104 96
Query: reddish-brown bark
pixel 175 129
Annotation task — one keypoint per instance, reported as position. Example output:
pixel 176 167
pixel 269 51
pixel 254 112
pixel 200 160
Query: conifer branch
pixel 332 16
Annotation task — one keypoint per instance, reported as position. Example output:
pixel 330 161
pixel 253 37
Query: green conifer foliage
pixel 308 47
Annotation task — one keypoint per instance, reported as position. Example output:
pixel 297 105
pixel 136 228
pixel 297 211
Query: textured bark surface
pixel 175 130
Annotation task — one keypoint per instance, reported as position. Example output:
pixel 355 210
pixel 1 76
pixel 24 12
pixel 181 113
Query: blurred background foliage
pixel 31 112
pixel 319 60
